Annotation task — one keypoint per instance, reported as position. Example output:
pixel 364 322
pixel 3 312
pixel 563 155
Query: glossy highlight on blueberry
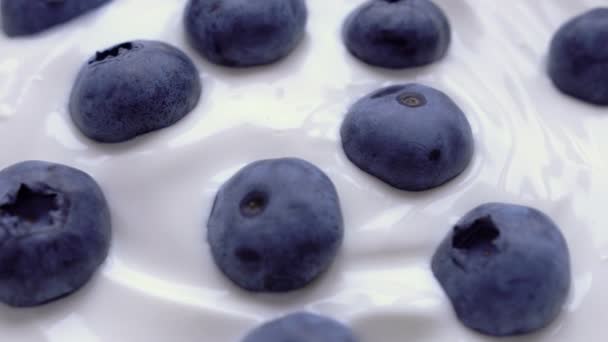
pixel 55 232
pixel 133 88
pixel 302 327
pixel 410 136
pixel 276 225
pixel 244 33
pixel 578 57
pixel 397 34
pixel 28 17
pixel 505 269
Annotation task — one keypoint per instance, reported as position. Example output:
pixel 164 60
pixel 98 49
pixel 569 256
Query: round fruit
pixel 27 17
pixel 276 225
pixel 397 33
pixel 505 268
pixel 133 88
pixel 54 232
pixel 410 136
pixel 302 327
pixel 578 57
pixel 244 33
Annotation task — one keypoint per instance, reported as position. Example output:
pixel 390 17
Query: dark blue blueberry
pixel 505 268
pixel 410 136
pixel 27 17
pixel 133 88
pixel 54 232
pixel 302 327
pixel 276 225
pixel 244 33
pixel 397 33
pixel 578 57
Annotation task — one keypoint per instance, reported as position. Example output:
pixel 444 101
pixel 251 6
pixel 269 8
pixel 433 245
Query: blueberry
pixel 54 232
pixel 410 136
pixel 28 17
pixel 397 33
pixel 133 88
pixel 505 268
pixel 578 57
pixel 243 33
pixel 276 225
pixel 302 327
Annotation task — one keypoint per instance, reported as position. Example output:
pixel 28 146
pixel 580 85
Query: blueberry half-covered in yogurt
pixel 505 268
pixel 578 57
pixel 410 136
pixel 397 34
pixel 133 88
pixel 302 327
pixel 55 232
pixel 244 33
pixel 276 225
pixel 28 17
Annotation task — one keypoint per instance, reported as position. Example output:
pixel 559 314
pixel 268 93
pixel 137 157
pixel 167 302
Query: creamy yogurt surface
pixel 534 146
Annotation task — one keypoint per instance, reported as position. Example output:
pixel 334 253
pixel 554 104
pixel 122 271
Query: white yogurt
pixel 534 146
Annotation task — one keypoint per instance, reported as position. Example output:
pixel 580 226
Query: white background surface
pixel 533 146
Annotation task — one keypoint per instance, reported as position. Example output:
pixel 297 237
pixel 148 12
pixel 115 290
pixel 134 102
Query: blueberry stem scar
pixel 412 100
pixel 482 231
pixel 254 203
pixel 114 51
pixel 30 205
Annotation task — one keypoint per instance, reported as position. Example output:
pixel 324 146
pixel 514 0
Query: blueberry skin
pixel 276 225
pixel 302 327
pixel 55 232
pixel 505 268
pixel 578 57
pixel 28 17
pixel 410 136
pixel 245 33
pixel 397 34
pixel 133 88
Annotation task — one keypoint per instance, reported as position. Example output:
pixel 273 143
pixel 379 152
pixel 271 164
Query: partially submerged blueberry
pixel 133 88
pixel 410 136
pixel 243 33
pixel 276 225
pixel 54 232
pixel 302 327
pixel 397 33
pixel 505 268
pixel 28 17
pixel 578 57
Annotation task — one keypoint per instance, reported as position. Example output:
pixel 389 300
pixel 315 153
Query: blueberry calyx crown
pixel 481 233
pixel 112 52
pixel 31 209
